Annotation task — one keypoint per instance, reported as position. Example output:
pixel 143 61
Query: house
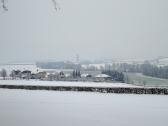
pixel 41 75
pixel 52 76
pixel 26 74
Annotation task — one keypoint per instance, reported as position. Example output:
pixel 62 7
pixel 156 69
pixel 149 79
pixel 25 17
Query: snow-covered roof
pixel 102 76
pixel 84 75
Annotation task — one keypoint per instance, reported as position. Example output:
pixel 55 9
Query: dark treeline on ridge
pixel 145 69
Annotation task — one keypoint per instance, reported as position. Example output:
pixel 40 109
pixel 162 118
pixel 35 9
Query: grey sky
pixel 32 30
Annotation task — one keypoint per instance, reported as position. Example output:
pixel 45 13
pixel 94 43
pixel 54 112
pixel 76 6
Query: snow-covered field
pixel 50 108
pixel 63 83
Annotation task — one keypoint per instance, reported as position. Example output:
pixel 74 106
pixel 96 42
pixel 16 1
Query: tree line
pixel 154 71
pixel 145 68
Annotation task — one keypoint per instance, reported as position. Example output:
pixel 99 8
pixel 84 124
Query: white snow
pixel 50 108
pixel 102 75
pixel 63 83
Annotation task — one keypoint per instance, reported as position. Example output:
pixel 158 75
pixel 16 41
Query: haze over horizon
pixel 95 29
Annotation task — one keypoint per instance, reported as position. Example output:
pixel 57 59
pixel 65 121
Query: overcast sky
pixel 32 30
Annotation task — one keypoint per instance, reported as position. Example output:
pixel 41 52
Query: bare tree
pixel 4 73
pixel 12 74
pixel 56 5
pixel 4 5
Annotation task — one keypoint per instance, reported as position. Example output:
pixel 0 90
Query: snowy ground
pixel 63 83
pixel 49 108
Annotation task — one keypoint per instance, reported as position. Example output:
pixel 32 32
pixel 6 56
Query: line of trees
pixel 146 69
pixel 14 74
pixel 154 71
pixel 58 65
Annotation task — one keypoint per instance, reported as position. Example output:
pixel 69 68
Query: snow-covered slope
pixel 50 108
